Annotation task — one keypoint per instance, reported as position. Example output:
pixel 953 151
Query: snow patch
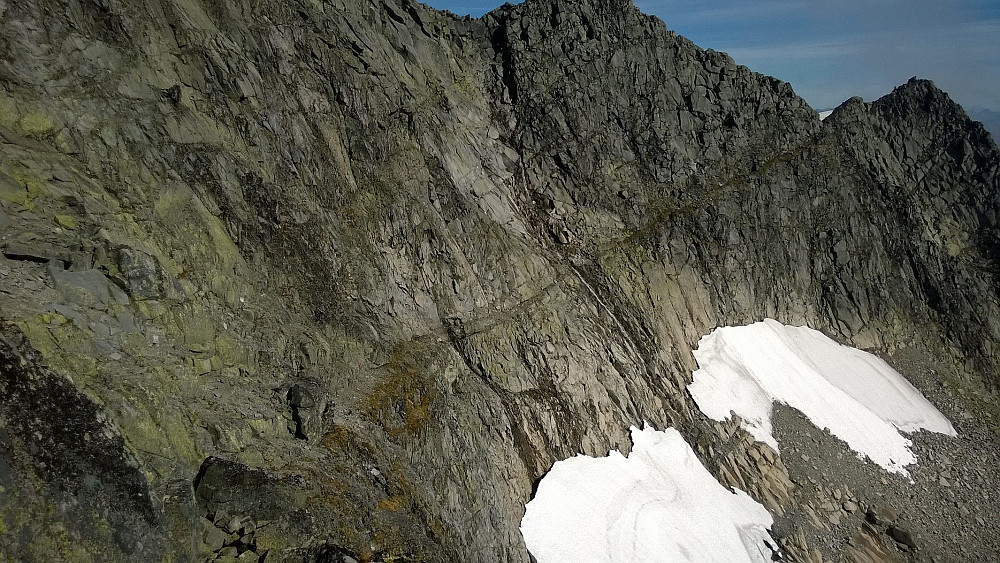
pixel 825 114
pixel 657 504
pixel 857 396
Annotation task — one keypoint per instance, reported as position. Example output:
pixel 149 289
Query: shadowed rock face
pixel 344 279
pixel 59 450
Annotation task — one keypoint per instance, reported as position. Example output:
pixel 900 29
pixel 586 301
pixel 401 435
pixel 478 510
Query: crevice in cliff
pixel 501 46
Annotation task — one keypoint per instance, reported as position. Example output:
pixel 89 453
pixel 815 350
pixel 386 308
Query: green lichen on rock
pixel 35 123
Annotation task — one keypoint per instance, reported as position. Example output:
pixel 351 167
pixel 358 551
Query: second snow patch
pixel 857 396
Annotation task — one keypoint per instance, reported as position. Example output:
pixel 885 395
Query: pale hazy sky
pixel 832 50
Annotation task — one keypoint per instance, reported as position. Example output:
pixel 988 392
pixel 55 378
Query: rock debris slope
pixel 311 280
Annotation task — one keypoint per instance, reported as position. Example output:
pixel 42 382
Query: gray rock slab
pixel 89 288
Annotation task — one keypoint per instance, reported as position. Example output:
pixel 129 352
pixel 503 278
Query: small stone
pixel 67 221
pixel 902 537
pixel 202 365
pixel 61 175
pixel 561 234
pixel 233 524
pixel 11 190
pixel 850 507
pixel 89 288
pixel 143 273
pixel 213 538
pixel 299 396
pixel 880 515
pixel 36 252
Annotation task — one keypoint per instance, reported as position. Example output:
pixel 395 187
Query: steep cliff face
pixel 345 279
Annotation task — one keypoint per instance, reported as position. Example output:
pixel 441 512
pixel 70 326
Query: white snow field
pixel 659 504
pixel 825 114
pixel 857 396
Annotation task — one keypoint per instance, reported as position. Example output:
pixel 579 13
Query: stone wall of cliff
pixel 326 279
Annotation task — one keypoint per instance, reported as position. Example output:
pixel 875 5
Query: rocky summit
pixel 340 280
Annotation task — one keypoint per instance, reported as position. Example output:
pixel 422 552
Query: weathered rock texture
pixel 309 280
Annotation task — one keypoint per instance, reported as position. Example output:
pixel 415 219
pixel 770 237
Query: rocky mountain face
pixel 989 118
pixel 333 280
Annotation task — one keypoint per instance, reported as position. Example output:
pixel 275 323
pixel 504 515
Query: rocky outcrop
pixel 343 280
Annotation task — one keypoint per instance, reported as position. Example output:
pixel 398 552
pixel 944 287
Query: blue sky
pixel 832 50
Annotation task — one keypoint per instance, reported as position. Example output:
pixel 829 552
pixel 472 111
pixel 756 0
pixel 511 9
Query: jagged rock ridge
pixel 345 279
